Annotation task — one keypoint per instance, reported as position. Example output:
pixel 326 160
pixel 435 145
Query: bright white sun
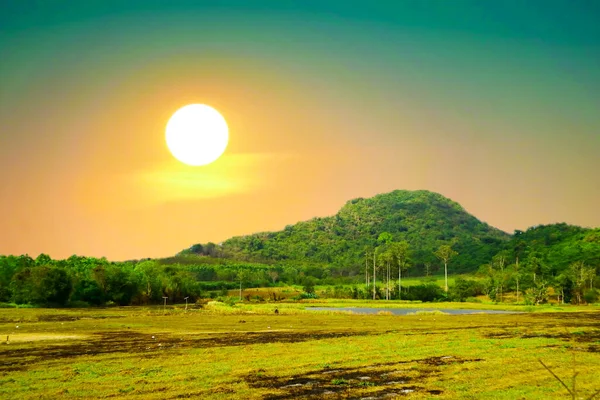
pixel 197 134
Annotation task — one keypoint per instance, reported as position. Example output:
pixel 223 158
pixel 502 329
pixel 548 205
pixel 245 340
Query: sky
pixel 494 104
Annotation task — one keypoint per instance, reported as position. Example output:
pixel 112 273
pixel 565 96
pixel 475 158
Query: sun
pixel 197 134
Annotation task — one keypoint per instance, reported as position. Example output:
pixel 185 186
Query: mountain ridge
pixel 423 218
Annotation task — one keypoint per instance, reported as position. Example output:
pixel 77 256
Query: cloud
pixel 231 174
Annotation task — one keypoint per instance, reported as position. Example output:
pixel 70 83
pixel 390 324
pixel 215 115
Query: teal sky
pixel 495 104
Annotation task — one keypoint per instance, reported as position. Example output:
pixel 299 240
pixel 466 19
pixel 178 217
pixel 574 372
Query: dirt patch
pixel 593 349
pixel 566 336
pixel 376 381
pixel 570 319
pixel 57 318
pixel 580 327
pixel 134 343
pixel 70 318
pixel 437 361
pixel 580 337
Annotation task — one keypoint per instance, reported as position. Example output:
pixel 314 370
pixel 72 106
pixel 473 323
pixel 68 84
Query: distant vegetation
pixel 364 251
pixel 423 219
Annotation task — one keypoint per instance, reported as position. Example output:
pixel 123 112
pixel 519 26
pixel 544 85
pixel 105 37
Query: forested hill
pixel 422 218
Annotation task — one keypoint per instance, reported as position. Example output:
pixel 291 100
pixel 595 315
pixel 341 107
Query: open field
pixel 249 352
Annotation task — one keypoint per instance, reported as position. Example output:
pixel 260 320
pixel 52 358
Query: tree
pixel 386 258
pixel 519 249
pixel 536 266
pixel 375 273
pixel 43 259
pixel 121 284
pixel 243 276
pixel 400 251
pixel 150 279
pixel 427 266
pixel 274 275
pixel 309 285
pixel 497 274
pixel 563 285
pixel 385 238
pixel 465 288
pixel 367 255
pixel 538 293
pixel 514 272
pixel 499 262
pixel 41 285
pixel 445 253
pixel 581 275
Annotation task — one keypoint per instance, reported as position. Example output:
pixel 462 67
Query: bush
pixel 536 295
pixel 464 288
pixel 591 296
pixel 305 295
pixel 43 285
pixel 426 292
pixel 309 285
pixel 87 291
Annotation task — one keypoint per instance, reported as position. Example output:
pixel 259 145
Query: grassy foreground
pixel 249 352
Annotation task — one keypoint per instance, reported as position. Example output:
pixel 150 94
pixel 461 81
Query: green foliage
pixel 422 219
pixel 43 285
pixel 464 289
pixel 309 285
pixel 304 296
pixel 88 291
pixel 445 253
pixel 537 294
pixel 426 292
pixel 591 296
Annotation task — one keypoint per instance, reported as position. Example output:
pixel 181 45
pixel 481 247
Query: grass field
pixel 248 352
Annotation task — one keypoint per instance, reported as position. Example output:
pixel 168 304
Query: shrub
pixel 464 288
pixel 305 295
pixel 591 296
pixel 427 292
pixel 42 285
pixel 309 285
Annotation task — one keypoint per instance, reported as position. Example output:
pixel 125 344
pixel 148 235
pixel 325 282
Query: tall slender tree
pixel 445 253
pixel 400 251
pixel 367 254
pixel 375 273
pixel 384 239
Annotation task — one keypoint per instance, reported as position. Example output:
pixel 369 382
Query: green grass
pixel 245 351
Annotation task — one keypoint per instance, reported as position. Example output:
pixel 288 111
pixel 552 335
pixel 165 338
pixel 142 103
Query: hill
pixel 556 246
pixel 422 218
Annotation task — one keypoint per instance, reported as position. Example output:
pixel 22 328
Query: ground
pixel 249 352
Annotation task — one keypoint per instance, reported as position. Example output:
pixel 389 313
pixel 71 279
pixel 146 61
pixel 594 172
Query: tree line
pixel 81 281
pixel 555 260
